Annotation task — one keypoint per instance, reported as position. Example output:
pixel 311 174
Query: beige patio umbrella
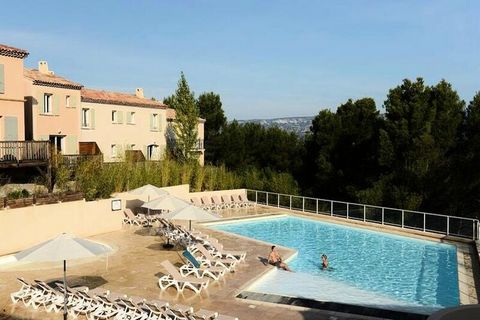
pixel 149 191
pixel 166 202
pixel 190 213
pixel 62 248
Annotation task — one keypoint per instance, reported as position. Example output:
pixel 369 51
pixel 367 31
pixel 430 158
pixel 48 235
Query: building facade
pixel 12 95
pixel 121 123
pixel 52 109
pixel 51 113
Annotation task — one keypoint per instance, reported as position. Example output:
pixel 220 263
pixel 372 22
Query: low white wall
pixel 24 227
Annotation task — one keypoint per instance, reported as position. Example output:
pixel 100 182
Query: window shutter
pixel 11 128
pixel 2 78
pixel 73 101
pixel 119 116
pixel 151 121
pixel 159 122
pixel 92 118
pixel 129 117
pixel 40 102
pixel 56 104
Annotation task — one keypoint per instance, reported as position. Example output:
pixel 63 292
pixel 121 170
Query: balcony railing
pixel 17 152
pixel 405 219
pixel 199 145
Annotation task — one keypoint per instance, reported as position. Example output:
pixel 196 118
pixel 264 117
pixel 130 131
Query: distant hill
pixel 299 125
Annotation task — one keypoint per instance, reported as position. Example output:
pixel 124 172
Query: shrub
pixel 18 194
pixel 97 180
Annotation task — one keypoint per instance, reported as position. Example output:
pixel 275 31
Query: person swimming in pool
pixel 275 259
pixel 324 261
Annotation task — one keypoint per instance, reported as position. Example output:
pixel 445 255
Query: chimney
pixel 139 93
pixel 43 67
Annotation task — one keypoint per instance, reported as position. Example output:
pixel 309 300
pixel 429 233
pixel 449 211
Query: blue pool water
pixel 367 267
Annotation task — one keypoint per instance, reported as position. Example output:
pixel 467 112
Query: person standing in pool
pixel 275 259
pixel 324 261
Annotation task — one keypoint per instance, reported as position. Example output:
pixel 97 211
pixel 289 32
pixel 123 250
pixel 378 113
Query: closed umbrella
pixel 62 248
pixel 149 191
pixel 191 213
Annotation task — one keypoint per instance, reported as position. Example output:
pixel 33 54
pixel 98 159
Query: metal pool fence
pixel 406 219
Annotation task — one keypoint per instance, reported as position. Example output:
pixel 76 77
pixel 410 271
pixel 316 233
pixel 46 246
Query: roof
pixel 171 114
pixel 12 52
pixel 50 80
pixel 118 98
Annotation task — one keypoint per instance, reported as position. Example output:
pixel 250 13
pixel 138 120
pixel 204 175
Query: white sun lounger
pixel 198 203
pixel 88 303
pixel 238 202
pixel 175 279
pixel 156 309
pixel 25 292
pixel 47 297
pixel 107 307
pixel 218 250
pixel 218 203
pixel 130 218
pixel 245 200
pixel 195 267
pixel 229 264
pixel 209 205
pixel 227 201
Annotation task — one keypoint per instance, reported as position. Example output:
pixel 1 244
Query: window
pixel 151 151
pixel 155 121
pixel 85 118
pixel 131 118
pixel 47 103
pixel 67 101
pixel 114 116
pixel 114 151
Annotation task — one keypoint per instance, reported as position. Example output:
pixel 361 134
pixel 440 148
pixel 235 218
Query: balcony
pixel 24 153
pixel 199 145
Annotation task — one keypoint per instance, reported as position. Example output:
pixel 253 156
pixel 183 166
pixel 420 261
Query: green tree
pixel 169 101
pixel 186 120
pixel 342 151
pixel 422 125
pixel 210 108
pixel 464 189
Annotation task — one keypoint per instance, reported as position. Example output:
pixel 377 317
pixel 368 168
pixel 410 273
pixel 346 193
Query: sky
pixel 266 59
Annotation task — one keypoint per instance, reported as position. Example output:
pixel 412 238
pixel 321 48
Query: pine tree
pixel 186 120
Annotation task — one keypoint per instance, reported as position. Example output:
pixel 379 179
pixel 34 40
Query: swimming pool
pixel 366 267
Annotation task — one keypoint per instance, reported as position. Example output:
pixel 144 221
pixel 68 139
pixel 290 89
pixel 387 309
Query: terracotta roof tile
pixel 12 52
pixel 108 97
pixel 50 80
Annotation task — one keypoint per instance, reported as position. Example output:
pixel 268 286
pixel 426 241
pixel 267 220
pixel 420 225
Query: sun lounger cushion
pixel 191 258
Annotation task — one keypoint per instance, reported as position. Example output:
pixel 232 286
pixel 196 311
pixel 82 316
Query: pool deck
pixel 134 269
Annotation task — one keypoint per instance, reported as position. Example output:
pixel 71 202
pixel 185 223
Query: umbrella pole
pixel 65 289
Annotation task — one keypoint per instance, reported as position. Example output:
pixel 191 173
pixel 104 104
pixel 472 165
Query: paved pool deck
pixel 134 269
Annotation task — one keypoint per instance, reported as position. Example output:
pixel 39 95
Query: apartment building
pixel 12 93
pixel 52 109
pixel 43 111
pixel 121 123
